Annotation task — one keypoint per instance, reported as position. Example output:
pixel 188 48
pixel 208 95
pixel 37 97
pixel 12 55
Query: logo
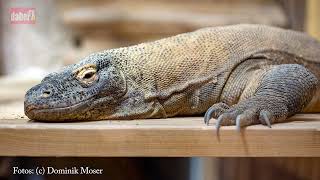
pixel 22 15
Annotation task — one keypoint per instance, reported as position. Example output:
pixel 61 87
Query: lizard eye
pixel 87 75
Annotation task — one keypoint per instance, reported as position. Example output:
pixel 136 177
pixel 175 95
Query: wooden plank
pixel 185 136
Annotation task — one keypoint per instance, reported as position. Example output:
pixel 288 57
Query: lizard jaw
pixel 68 113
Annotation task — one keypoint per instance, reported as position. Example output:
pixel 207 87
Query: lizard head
pixel 77 92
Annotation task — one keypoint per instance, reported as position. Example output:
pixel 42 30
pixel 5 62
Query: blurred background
pixel 65 31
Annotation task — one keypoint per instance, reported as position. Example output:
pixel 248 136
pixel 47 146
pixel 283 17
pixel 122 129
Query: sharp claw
pixel 265 118
pixel 238 123
pixel 207 116
pixel 218 124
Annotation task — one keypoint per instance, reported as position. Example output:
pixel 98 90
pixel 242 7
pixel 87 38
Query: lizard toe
pixel 248 117
pixel 215 111
pixel 226 119
pixel 266 118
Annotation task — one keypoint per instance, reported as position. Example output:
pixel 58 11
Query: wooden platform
pixel 185 136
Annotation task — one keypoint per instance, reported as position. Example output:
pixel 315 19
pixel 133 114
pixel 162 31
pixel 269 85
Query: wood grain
pixel 183 137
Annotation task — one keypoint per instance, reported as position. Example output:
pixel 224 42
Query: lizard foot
pixel 239 115
pixel 247 117
pixel 283 91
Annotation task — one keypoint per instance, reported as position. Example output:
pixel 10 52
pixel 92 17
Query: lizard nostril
pixel 46 93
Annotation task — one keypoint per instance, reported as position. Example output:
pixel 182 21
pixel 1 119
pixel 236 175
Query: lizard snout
pixel 37 96
pixel 40 91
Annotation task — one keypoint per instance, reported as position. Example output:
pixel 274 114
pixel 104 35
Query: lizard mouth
pixel 67 113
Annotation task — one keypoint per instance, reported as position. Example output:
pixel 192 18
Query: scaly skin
pixel 242 75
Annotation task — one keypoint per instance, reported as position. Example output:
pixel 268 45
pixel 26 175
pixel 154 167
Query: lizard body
pixel 241 74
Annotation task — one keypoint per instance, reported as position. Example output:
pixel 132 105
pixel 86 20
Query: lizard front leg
pixel 282 91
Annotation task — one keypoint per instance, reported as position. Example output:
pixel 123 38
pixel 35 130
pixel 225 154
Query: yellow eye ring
pixel 86 74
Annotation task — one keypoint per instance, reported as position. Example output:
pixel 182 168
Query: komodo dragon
pixel 240 74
